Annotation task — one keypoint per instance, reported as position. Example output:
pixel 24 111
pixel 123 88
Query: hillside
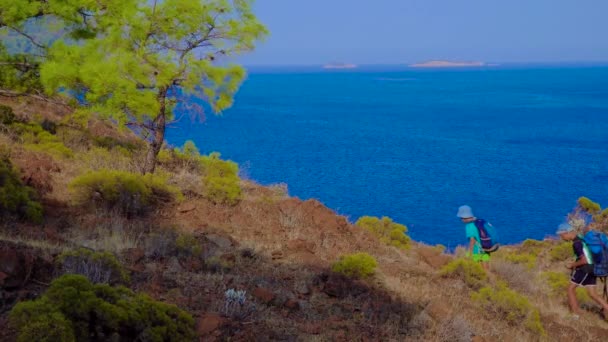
pixel 201 232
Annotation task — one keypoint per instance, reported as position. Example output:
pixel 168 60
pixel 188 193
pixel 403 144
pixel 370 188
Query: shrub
pixel 518 276
pixel 236 305
pixel 16 198
pixel 98 267
pixel 221 183
pixel 36 138
pixel 510 306
pixel 188 245
pixel 558 283
pixel 131 193
pixel 389 232
pixel 469 271
pixel 527 259
pixel 561 252
pixel 7 116
pixel 588 205
pixel 359 265
pixel 532 246
pixel 74 309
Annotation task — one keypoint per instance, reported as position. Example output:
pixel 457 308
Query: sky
pixel 312 32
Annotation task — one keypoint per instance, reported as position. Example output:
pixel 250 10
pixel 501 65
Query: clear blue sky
pixel 403 31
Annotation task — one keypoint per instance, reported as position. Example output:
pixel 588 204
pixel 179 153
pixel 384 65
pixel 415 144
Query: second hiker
pixel 582 269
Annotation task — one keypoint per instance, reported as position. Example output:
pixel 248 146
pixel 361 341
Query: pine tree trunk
pixel 158 130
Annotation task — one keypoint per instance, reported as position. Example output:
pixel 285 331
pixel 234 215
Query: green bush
pixel 389 232
pixel 74 309
pixel 469 271
pixel 36 138
pixel 16 198
pixel 527 259
pixel 221 183
pixel 510 306
pixel 98 267
pixel 131 193
pixel 588 205
pixel 359 265
pixel 7 116
pixel 561 252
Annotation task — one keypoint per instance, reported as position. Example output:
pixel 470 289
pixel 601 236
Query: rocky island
pixel 340 66
pixel 447 64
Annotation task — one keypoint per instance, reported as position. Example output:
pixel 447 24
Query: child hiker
pixel 582 269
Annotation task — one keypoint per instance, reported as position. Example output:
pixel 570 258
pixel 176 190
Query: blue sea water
pixel 519 145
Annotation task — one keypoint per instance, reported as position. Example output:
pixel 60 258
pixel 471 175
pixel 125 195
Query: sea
pixel 519 144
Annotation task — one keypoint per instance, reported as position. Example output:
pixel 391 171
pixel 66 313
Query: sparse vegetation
pixel 17 199
pixel 561 252
pixel 389 232
pixel 35 138
pixel 469 271
pixel 509 305
pixel 74 309
pixel 98 267
pixel 359 265
pixel 131 193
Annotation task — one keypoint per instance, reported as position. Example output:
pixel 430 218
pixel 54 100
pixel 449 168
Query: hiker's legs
pixel 485 265
pixel 598 299
pixel 572 299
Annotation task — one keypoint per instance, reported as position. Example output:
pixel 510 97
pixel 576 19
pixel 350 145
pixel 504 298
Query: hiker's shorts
pixel 583 278
pixel 483 257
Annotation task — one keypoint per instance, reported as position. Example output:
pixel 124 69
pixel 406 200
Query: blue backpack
pixel 487 236
pixel 598 246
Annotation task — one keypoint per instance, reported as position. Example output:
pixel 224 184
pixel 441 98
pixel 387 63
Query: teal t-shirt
pixel 473 232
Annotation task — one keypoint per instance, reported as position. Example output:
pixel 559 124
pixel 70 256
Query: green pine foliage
pixel 17 199
pixel 359 265
pixel 389 232
pixel 469 271
pixel 510 306
pixel 221 183
pixel 588 205
pixel 74 309
pixel 132 61
pixel 130 193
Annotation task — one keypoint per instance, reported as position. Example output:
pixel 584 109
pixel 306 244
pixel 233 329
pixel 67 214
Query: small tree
pixel 134 61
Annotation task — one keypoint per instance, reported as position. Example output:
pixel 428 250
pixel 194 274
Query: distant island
pixel 447 64
pixel 339 66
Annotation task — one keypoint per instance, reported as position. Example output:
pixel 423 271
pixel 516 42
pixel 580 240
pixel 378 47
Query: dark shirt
pixel 578 247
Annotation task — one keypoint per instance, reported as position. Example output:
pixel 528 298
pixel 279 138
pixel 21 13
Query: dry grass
pixel 41 244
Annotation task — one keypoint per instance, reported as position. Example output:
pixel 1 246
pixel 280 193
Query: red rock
pixel 186 207
pixel 264 295
pixel 209 323
pixel 292 304
pixel 228 257
pixel 134 255
pixel 312 328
